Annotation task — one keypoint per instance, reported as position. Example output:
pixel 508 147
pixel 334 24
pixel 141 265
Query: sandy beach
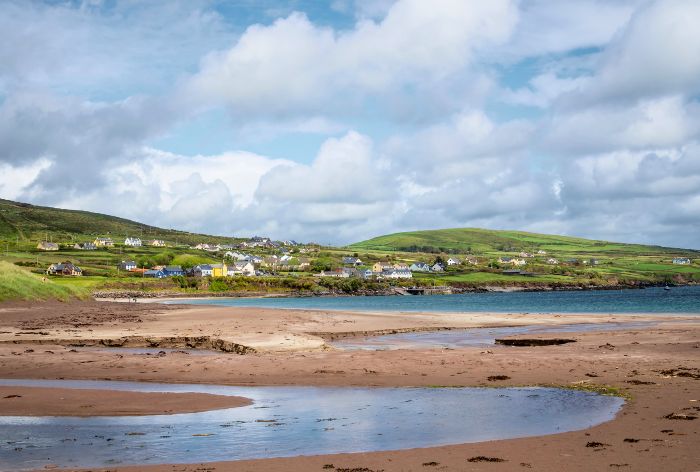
pixel 656 367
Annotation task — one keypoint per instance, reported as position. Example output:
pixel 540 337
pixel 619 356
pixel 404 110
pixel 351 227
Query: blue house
pixel 171 271
pixel 155 274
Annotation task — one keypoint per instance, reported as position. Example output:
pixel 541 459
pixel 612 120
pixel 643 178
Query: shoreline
pixel 31 401
pixel 649 363
pixel 454 290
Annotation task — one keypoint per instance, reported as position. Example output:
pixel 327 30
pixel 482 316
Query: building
pixel 127 265
pixel 511 261
pixel 353 261
pixel 681 260
pixel 47 246
pixel 134 242
pixel 103 242
pixel 64 268
pixel 472 260
pixel 381 266
pixel 552 261
pixel 219 270
pixel 173 270
pixel 241 268
pixel 155 274
pixel 437 267
pixel 453 261
pixel 202 270
pixel 85 246
pixel 157 243
pixel 542 252
pixel 419 267
pixel 397 274
pixel 526 254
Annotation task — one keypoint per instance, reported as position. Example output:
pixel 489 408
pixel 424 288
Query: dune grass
pixel 20 284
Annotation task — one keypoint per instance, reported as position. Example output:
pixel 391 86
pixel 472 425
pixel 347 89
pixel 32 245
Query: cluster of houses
pixel 681 260
pixel 202 270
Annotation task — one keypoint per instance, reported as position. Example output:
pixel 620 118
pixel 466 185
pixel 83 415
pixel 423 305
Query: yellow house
pixel 380 266
pixel 219 270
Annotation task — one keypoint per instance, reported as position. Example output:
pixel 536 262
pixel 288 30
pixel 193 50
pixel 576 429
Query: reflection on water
pixel 290 421
pixel 476 337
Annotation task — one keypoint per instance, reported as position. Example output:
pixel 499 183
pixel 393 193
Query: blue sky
pixel 341 120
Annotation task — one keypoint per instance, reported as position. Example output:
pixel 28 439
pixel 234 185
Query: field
pixel 19 284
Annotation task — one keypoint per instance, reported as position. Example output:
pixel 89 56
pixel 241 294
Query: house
pixel 353 261
pixel 472 260
pixel 173 270
pixel 285 258
pixel 552 261
pixel 526 254
pixel 234 255
pixel 512 261
pixel 157 243
pixel 47 246
pixel 207 247
pixel 134 242
pixel 241 268
pixel 594 262
pixel 64 268
pixel 219 270
pixel 397 274
pixel 571 261
pixel 85 246
pixel 419 267
pixel 381 266
pixel 155 274
pixel 437 267
pixel 202 270
pixel 366 274
pixel 453 261
pixel 103 242
pixel 127 265
pixel 681 260
pixel 542 252
pixel 400 266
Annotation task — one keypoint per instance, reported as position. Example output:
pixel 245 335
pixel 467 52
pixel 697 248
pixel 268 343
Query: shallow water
pixel 476 337
pixel 291 421
pixel 651 300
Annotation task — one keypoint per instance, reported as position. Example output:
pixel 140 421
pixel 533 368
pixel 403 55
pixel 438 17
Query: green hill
pixel 25 222
pixel 485 242
pixel 20 284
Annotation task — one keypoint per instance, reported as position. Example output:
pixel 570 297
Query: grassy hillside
pixel 482 241
pixel 24 222
pixel 19 284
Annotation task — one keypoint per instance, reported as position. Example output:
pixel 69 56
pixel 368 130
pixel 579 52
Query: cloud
pixel 294 67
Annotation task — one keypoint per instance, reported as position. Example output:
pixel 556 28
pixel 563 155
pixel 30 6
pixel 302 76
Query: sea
pixel 658 300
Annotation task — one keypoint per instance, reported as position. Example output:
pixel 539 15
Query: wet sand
pixel 656 366
pixel 39 401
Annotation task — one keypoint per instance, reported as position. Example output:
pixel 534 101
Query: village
pixel 264 257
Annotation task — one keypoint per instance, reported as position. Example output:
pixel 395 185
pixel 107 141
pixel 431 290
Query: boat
pixel 667 287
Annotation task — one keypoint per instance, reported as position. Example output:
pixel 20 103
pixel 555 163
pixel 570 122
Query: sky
pixel 342 120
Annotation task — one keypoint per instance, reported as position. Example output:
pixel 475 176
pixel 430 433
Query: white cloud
pixel 293 66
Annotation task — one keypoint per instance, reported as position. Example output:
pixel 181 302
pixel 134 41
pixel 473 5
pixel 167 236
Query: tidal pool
pixel 474 337
pixel 291 421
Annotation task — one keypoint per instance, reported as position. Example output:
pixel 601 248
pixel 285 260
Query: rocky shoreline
pixel 174 294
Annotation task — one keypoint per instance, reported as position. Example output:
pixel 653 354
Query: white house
pixel 397 274
pixel 437 267
pixel 681 260
pixel 419 267
pixel 512 261
pixel 203 270
pixel 127 265
pixel 542 252
pixel 242 268
pixel 355 261
pixel 157 243
pixel 453 261
pixel 135 242
pixel 552 261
